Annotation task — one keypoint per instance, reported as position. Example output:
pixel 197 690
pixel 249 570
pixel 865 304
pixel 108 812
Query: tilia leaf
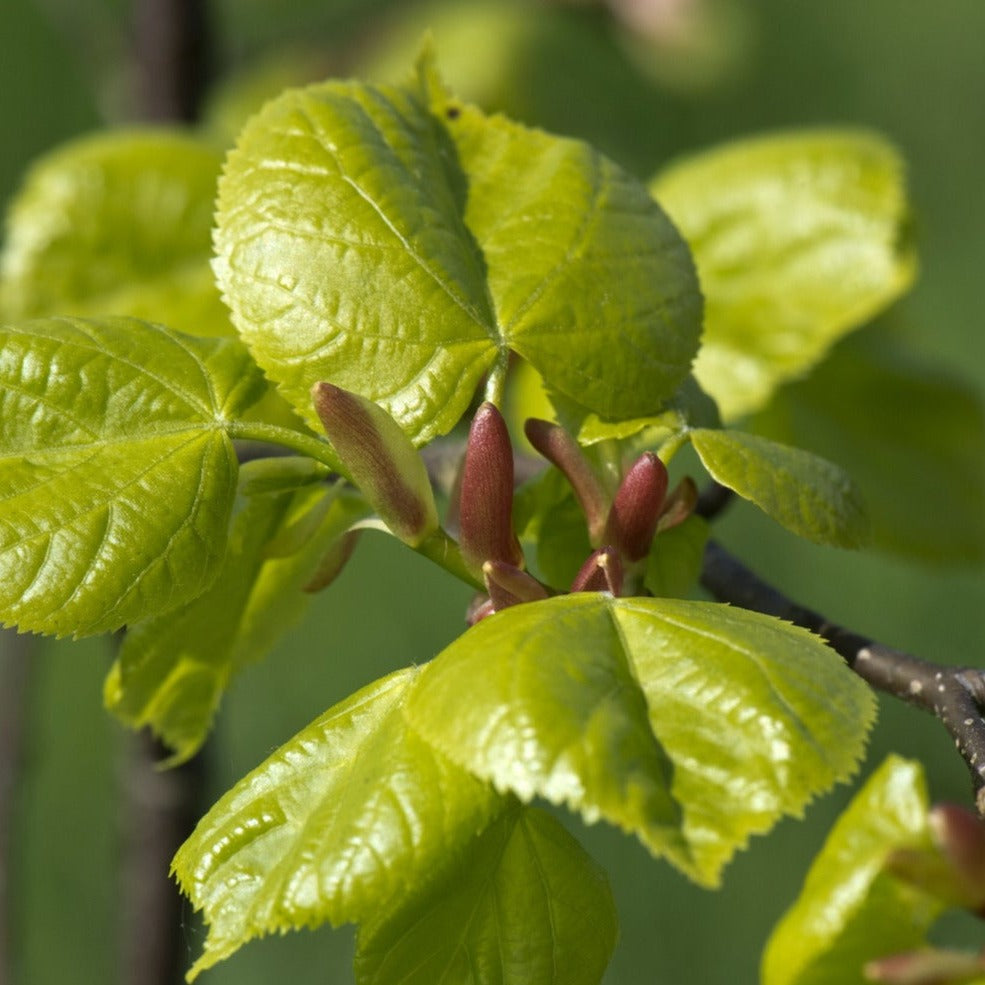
pixel 799 238
pixel 118 224
pixel 691 724
pixel 172 671
pixel 523 904
pixel 116 475
pixel 807 494
pixel 352 814
pixel 399 244
pixel 851 908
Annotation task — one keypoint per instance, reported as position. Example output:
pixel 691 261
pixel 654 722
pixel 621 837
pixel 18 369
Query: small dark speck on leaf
pixel 453 112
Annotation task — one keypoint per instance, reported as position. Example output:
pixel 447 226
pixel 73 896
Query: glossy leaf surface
pixel 116 473
pixel 399 245
pixel 118 224
pixel 352 813
pixel 850 909
pixel 691 724
pixel 799 238
pixel 911 436
pixel 172 671
pixel 523 904
pixel 806 494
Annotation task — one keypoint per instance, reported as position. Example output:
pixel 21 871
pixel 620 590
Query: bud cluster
pixel 383 462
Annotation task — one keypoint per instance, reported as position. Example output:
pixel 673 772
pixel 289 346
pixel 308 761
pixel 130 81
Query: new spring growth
pixel 602 572
pixel 565 454
pixel 635 511
pixel 485 511
pixel 508 585
pixel 954 870
pixel 927 967
pixel 381 460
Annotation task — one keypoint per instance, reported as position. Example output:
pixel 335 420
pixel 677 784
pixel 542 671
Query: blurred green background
pixel 914 71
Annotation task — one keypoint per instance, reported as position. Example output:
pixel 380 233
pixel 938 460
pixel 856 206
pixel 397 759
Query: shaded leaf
pixel 806 494
pixel 116 473
pixel 850 909
pixel 674 563
pixel 691 724
pixel 118 224
pixel 523 904
pixel 911 436
pixel 799 238
pixel 478 237
pixel 171 671
pixel 352 813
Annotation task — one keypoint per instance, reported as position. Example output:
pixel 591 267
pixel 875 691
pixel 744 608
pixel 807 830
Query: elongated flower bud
pixel 565 454
pixel 635 511
pixel 485 511
pixel 960 834
pixel 380 459
pixel 602 572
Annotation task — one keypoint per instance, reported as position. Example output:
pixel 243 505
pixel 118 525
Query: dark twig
pixel 171 61
pixel 171 49
pixel 15 664
pixel 713 500
pixel 955 695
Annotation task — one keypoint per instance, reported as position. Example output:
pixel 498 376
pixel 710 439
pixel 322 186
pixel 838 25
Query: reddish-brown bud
pixel 380 459
pixel 508 585
pixel 333 561
pixel 679 505
pixel 485 510
pixel 565 454
pixel 960 834
pixel 635 511
pixel 602 572
pixel 926 967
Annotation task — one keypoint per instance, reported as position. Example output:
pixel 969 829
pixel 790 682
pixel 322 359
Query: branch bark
pixel 15 669
pixel 954 695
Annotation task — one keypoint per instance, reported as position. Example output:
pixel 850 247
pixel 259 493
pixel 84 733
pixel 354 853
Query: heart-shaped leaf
pixel 351 814
pixel 799 238
pixel 118 224
pixel 807 494
pixel 691 724
pixel 116 475
pixel 399 244
pixel 523 904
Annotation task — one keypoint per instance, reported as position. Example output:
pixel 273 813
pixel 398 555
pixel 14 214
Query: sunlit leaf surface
pixel 116 475
pixel 691 724
pixel 799 238
pixel 400 244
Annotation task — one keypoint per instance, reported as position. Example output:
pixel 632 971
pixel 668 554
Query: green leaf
pixel 352 813
pixel 172 671
pixel 399 244
pixel 911 436
pixel 850 909
pixel 524 904
pixel 691 724
pixel 806 494
pixel 118 224
pixel 271 475
pixel 117 474
pixel 799 238
pixel 674 564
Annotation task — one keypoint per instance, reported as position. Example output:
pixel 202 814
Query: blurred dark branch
pixel 172 58
pixel 15 665
pixel 954 695
pixel 172 62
